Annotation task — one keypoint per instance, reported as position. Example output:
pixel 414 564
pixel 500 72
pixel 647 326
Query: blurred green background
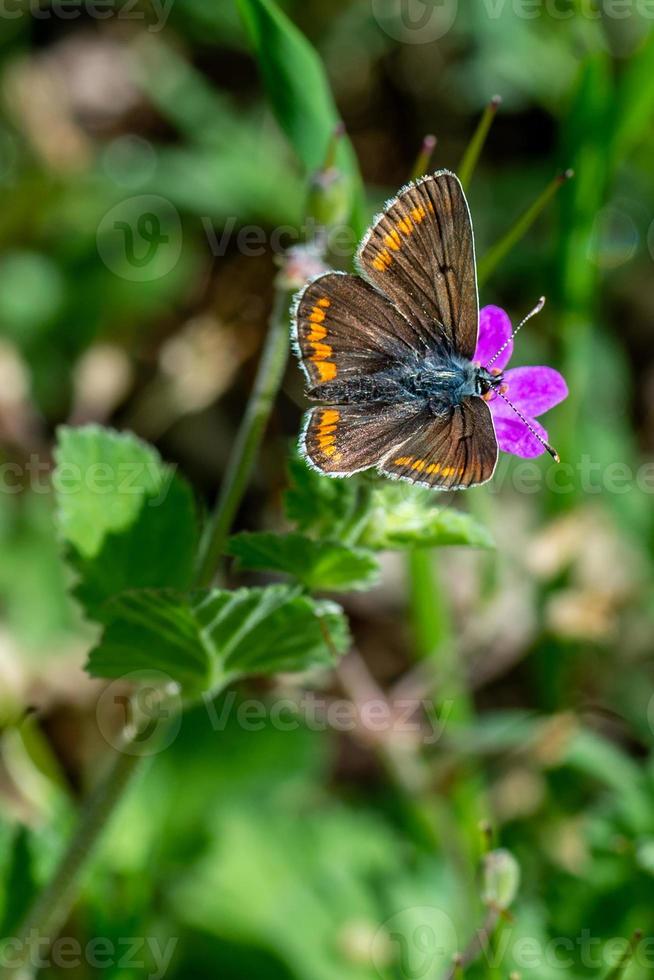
pixel 271 849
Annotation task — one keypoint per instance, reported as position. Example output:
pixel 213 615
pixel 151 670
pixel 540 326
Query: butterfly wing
pixel 449 452
pixel 344 328
pixel 344 439
pixel 420 253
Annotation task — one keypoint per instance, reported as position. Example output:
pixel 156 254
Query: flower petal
pixel 533 390
pixel 494 331
pixel 513 436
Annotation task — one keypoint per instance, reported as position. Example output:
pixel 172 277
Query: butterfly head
pixel 489 383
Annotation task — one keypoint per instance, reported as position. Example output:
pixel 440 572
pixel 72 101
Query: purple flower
pixel 533 390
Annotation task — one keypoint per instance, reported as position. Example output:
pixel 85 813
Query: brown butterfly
pixel 389 353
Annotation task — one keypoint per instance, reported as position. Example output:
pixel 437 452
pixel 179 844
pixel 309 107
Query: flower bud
pixel 328 201
pixel 329 197
pixel 501 879
pixel 301 263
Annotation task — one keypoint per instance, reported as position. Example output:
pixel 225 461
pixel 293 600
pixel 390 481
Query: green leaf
pixel 20 885
pixel 319 504
pixel 634 101
pixel 406 517
pixel 318 565
pixel 128 520
pixel 209 637
pixel 298 90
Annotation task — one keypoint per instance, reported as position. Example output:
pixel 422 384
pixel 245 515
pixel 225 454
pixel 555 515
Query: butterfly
pixel 389 353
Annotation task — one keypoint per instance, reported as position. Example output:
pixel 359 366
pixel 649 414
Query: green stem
pixel 52 908
pixel 476 144
pixel 246 446
pixel 432 628
pixel 434 641
pixel 500 250
pixel 476 946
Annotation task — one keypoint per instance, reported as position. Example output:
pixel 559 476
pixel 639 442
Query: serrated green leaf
pixel 326 565
pixel 299 91
pixel 129 521
pixel 406 517
pixel 319 504
pixel 206 638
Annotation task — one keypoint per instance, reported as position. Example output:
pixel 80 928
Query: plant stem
pixel 521 226
pixel 477 945
pixel 476 144
pixel 241 462
pixel 434 642
pixel 51 909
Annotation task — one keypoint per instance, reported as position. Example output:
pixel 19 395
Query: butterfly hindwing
pixel 452 451
pixel 344 439
pixel 344 328
pixel 420 252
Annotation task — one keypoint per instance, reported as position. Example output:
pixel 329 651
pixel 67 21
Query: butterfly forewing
pixel 449 452
pixel 345 329
pixel 420 253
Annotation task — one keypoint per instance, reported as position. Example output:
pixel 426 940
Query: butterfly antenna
pixel 537 308
pixel 550 449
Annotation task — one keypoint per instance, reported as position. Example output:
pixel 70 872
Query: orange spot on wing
pixel 383 260
pixel 321 352
pixel 393 240
pixel 315 338
pixel 325 433
pixel 318 332
pixel 326 370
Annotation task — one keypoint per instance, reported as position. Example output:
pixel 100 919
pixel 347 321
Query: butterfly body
pixel 442 380
pixel 389 354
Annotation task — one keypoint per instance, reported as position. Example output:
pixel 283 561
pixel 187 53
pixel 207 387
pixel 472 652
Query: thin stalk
pixel 53 906
pixel 248 439
pixel 434 641
pixel 501 249
pixel 620 967
pixel 423 159
pixel 433 635
pixel 476 144
pixel 476 946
